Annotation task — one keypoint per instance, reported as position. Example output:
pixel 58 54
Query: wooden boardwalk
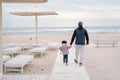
pixel 60 71
pixel 71 72
pixel 24 77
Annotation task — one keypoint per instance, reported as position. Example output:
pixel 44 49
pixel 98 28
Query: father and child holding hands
pixel 81 38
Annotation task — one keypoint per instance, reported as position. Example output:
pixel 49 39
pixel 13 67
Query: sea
pixel 59 30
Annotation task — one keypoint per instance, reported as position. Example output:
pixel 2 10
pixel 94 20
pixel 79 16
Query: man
pixel 82 38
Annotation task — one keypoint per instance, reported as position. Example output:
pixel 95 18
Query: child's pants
pixel 65 58
pixel 79 51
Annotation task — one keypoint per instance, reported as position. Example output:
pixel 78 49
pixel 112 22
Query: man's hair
pixel 64 42
pixel 80 23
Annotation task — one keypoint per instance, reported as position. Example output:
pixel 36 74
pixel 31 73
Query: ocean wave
pixel 60 30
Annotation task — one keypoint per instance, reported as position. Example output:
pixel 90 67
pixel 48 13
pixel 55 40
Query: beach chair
pixel 12 50
pixel 106 43
pixel 8 45
pixel 23 45
pixel 38 50
pixel 39 45
pixel 5 58
pixel 17 63
pixel 52 46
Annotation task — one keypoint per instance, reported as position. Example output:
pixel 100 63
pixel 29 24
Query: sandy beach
pixel 101 63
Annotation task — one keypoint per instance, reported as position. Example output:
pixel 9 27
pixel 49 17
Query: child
pixel 64 49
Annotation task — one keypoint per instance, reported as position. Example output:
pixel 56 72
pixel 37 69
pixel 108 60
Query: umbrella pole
pixel 36 18
pixel 1 49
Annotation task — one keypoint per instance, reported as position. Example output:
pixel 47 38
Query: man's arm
pixel 73 37
pixel 87 37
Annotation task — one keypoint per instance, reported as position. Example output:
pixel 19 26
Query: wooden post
pixel 1 38
pixel 36 30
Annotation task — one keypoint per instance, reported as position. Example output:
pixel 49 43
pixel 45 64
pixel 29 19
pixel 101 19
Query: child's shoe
pixel 75 61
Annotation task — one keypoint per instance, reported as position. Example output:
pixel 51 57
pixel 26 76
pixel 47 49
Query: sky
pixel 70 12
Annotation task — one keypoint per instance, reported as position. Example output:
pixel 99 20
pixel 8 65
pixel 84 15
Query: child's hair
pixel 64 42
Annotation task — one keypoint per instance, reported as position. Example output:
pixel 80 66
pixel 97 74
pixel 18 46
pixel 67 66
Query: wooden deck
pixel 60 71
pixel 25 77
pixel 71 72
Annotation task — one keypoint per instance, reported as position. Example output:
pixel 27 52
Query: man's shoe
pixel 80 64
pixel 75 61
pixel 66 64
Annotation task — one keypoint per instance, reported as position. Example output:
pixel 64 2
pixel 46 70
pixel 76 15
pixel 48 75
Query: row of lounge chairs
pixel 17 63
pixel 26 45
pixel 16 49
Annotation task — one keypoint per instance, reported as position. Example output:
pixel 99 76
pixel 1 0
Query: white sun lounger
pixel 12 50
pixel 23 45
pixel 52 46
pixel 8 45
pixel 40 51
pixel 39 45
pixel 17 62
pixel 5 58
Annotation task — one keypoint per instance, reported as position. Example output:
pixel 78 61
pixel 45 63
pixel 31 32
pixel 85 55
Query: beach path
pixel 71 72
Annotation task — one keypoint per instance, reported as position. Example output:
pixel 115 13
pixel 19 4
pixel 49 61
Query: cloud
pixel 90 11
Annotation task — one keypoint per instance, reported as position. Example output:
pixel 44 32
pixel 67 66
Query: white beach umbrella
pixel 24 1
pixel 36 14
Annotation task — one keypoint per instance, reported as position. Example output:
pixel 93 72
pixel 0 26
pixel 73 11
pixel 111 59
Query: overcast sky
pixel 91 12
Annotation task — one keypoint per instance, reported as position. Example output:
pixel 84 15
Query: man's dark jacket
pixel 80 34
